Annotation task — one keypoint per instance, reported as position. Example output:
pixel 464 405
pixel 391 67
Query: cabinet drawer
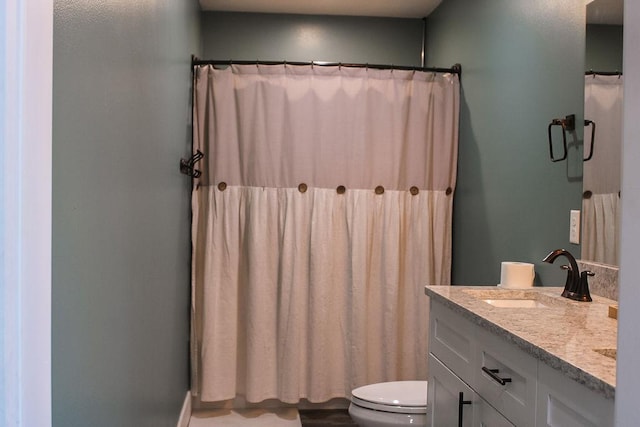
pixel 563 402
pixel 452 340
pixel 506 377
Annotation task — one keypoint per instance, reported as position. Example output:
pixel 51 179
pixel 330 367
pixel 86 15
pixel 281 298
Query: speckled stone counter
pixel 564 334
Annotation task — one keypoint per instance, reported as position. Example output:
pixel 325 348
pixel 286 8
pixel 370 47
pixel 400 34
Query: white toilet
pixel 390 404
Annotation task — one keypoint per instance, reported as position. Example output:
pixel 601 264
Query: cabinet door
pixel 452 403
pixel 484 415
pixel 449 399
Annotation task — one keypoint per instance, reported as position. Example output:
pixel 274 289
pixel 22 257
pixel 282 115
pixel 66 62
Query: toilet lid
pixel 397 396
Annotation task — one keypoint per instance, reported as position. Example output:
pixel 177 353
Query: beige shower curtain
pixel 323 209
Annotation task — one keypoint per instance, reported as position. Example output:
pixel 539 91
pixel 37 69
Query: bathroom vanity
pixel 501 357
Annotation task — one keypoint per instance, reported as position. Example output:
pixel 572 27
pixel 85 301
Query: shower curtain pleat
pixel 308 294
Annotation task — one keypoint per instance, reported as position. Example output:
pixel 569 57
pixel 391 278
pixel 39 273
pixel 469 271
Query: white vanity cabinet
pixel 501 384
pixel 453 362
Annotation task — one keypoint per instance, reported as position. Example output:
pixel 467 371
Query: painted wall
pixel 120 297
pixel 253 36
pixel 522 66
pixel 604 48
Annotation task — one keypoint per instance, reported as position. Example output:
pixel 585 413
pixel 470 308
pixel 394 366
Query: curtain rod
pixel 455 69
pixel 602 73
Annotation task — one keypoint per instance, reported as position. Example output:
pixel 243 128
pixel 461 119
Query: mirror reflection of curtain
pixel 601 211
pixel 306 291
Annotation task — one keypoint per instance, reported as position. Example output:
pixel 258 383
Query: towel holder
pixel 593 137
pixel 567 124
pixel 187 165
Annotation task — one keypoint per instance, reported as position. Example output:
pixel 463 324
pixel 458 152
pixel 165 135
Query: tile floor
pixel 246 418
pixel 288 417
pixel 326 418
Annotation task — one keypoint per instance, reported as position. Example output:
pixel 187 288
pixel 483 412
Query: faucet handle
pixel 566 267
pixel 582 293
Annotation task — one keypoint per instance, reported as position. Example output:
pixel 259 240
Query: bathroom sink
pixel 609 352
pixel 515 298
pixel 515 303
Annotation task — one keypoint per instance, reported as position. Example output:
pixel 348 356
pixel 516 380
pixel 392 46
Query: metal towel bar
pixel 567 124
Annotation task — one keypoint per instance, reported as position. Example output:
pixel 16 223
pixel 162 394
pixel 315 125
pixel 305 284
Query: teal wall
pixel 522 65
pixel 120 303
pixel 253 36
pixel 604 48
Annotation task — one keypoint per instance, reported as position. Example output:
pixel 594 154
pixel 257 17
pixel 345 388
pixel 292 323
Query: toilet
pixel 396 403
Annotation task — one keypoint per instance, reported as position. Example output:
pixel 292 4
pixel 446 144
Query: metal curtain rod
pixel 455 69
pixel 602 73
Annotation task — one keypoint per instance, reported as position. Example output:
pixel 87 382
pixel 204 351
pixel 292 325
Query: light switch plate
pixel 574 227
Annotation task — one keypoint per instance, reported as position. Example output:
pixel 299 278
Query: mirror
pixel 603 106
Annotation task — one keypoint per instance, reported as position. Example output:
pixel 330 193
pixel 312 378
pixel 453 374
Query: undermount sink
pixel 516 298
pixel 609 352
pixel 515 303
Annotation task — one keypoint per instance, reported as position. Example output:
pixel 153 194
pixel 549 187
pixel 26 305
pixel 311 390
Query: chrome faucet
pixel 577 284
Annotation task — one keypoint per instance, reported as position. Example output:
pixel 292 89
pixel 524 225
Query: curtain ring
pixel 379 189
pixel 449 191
pixel 302 188
pixel 341 189
pixel 222 186
pixel 414 191
pixel 587 194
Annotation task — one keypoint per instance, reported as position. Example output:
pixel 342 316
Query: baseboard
pixel 185 413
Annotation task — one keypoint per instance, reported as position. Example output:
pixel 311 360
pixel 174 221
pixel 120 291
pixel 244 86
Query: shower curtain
pixel 601 211
pixel 323 208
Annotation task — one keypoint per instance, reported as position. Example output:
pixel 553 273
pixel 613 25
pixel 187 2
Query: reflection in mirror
pixel 601 184
pixel 603 105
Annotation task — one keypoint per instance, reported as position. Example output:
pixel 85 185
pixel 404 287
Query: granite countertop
pixel 563 334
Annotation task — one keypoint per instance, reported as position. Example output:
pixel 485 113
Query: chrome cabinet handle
pixel 461 403
pixel 493 373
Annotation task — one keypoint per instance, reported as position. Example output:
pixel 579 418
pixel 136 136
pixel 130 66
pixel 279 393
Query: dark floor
pixel 326 418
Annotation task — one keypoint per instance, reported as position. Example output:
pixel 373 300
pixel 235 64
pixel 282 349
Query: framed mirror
pixel 604 84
